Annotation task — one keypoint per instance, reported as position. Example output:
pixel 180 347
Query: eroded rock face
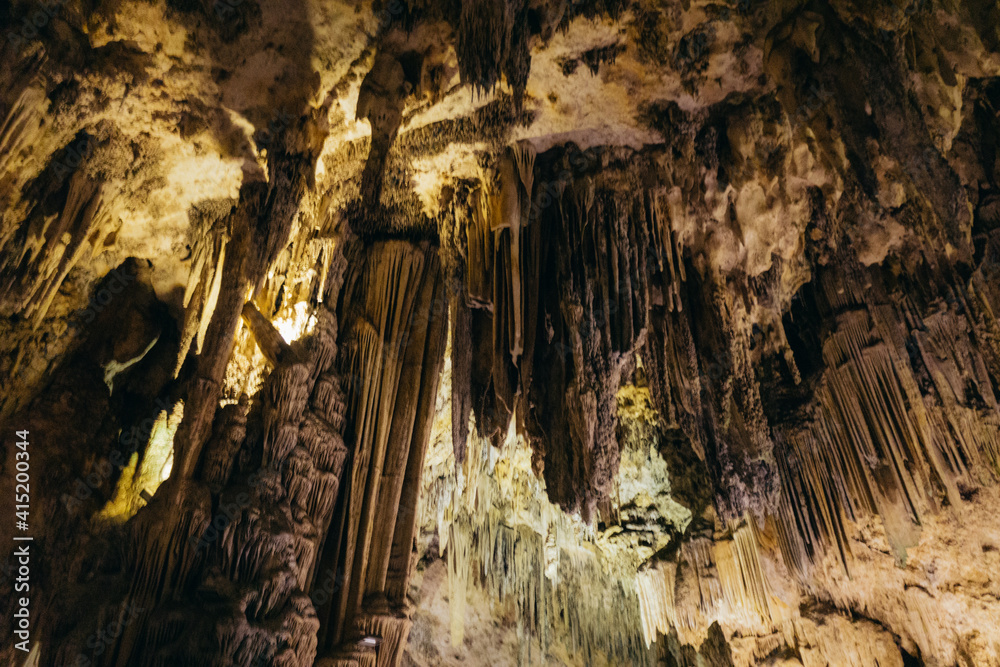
pixel 719 281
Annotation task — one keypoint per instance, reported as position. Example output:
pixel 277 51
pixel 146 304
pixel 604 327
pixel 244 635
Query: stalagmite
pixel 161 572
pixel 459 567
pixel 391 629
pixel 220 453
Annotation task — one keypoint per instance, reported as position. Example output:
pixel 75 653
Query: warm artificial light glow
pixel 147 476
pixel 295 322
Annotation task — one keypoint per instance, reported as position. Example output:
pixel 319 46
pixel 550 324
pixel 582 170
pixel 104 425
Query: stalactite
pixel 551 315
pixel 712 579
pixel 744 586
pixel 23 125
pixel 655 585
pixel 500 541
pixel 665 239
pixel 674 373
pixel 481 240
pixel 53 246
pixel 524 158
pixel 903 423
pixel 885 458
pixel 201 294
pixel 461 363
pixel 506 217
pixel 486 46
pixel 23 120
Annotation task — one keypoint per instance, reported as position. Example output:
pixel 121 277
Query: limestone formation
pixel 513 332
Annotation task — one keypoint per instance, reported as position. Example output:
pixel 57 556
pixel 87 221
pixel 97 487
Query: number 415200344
pixel 22 496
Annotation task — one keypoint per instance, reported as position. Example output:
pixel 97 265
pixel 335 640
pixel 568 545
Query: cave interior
pixel 417 333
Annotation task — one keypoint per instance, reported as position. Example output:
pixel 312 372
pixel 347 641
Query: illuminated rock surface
pixel 522 332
